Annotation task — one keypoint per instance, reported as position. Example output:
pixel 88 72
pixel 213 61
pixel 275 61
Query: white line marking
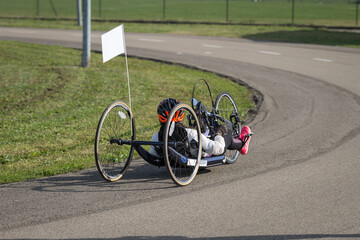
pixel 211 46
pixel 23 31
pixel 151 40
pixel 270 53
pixel 322 59
pixel 179 53
pixel 208 52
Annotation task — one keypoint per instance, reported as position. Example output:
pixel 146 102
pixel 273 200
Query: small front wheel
pixel 116 124
pixel 182 144
pixel 226 108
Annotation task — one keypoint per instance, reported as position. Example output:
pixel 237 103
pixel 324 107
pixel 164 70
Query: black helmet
pixel 165 107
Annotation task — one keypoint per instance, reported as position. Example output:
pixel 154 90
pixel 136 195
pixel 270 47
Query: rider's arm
pixel 212 147
pixel 215 147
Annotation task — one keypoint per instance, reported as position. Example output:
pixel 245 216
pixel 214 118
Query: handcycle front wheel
pixel 116 124
pixel 226 107
pixel 182 147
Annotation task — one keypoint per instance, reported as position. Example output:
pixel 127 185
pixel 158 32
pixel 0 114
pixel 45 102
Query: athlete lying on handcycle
pixel 222 141
pixel 190 137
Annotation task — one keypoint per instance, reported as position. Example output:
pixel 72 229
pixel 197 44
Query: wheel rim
pixel 113 159
pixel 183 172
pixel 225 105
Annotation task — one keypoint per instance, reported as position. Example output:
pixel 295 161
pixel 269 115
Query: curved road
pixel 301 179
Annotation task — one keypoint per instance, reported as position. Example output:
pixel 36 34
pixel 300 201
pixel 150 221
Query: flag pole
pixel 127 73
pixel 127 67
pixel 112 46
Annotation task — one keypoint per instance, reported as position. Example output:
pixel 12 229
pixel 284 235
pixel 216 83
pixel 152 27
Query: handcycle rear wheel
pixel 112 158
pixel 183 159
pixel 226 108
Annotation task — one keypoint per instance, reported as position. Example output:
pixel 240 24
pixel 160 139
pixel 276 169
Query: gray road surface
pixel 299 181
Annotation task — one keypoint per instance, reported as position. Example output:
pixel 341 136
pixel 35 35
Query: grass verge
pixel 50 106
pixel 328 12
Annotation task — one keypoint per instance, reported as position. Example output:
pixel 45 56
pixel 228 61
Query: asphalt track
pixel 301 179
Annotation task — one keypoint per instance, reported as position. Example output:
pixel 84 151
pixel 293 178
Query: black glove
pixel 220 130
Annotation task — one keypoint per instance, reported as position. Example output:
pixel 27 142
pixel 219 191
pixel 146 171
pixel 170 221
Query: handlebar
pixel 209 120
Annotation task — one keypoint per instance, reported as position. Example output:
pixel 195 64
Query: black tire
pixel 226 107
pixel 182 160
pixel 112 159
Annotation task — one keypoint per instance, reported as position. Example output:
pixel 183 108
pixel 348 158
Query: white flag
pixel 113 43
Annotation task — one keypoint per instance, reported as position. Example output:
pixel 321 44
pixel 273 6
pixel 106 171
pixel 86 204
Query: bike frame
pixel 159 161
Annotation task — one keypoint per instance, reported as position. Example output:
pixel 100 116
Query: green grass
pixel 50 106
pixel 327 12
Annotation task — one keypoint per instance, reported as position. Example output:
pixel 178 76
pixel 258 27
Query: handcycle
pixel 115 140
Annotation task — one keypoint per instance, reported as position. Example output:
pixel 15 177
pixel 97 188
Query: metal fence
pixel 300 12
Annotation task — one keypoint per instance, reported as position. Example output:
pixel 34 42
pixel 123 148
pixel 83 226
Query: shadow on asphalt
pixel 259 237
pixel 136 178
pixel 311 36
pixel 140 176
